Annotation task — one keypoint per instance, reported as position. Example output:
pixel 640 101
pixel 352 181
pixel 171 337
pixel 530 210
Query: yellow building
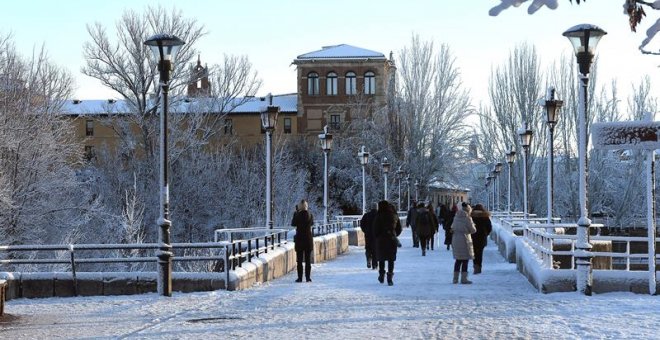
pixel 332 83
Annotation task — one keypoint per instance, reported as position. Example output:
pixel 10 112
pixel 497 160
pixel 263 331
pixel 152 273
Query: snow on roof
pixel 342 51
pixel 286 102
pixel 440 184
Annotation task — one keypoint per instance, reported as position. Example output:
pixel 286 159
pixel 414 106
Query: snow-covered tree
pixel 41 196
pixel 634 9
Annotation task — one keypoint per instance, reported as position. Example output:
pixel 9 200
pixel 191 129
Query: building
pixel 335 84
pixel 442 192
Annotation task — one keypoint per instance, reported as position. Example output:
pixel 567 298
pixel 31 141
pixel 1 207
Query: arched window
pixel 313 84
pixel 351 83
pixel 369 83
pixel 331 84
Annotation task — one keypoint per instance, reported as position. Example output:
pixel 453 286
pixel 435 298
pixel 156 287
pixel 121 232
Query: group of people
pixel 466 232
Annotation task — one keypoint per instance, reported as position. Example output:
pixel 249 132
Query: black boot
pixel 389 279
pixel 381 277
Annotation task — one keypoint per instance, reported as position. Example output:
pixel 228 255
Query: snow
pixel 342 51
pixel 345 301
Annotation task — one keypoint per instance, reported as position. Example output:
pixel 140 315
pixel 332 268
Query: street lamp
pixel 417 191
pixel 164 48
pixel 364 160
pixel 525 140
pixel 269 122
pixel 489 180
pixel 584 39
pixel 326 146
pixel 408 189
pixel 510 157
pixel 498 169
pixel 386 169
pixel 552 107
pixel 399 176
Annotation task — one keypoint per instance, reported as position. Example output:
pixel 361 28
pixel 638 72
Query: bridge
pixel 346 301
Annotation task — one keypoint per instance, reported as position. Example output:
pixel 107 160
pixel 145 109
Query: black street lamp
pixel 584 39
pixel 510 157
pixel 552 106
pixel 326 146
pixel 525 140
pixel 497 170
pixel 164 48
pixel 399 177
pixel 386 169
pixel 268 123
pixel 364 160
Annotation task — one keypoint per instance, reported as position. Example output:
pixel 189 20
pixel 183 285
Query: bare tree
pixel 433 108
pixel 41 199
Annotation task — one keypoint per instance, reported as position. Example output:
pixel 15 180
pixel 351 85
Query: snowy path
pixel 345 301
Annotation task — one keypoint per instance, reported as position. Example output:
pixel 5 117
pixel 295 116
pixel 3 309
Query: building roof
pixel 287 103
pixel 342 51
pixel 436 183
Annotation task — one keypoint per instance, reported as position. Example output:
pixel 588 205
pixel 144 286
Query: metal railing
pixel 329 228
pixel 545 243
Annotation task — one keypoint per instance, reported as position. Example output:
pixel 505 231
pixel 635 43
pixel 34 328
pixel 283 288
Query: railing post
pixel 240 253
pixel 73 271
pixel 226 265
pixel 249 246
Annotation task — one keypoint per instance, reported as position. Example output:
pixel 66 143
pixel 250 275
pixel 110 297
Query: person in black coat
pixel 366 224
pixel 304 240
pixel 410 221
pixel 481 219
pixel 447 217
pixel 387 227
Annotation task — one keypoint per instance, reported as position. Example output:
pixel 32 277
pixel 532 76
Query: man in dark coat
pixel 366 224
pixel 424 223
pixel 447 217
pixel 410 221
pixel 304 240
pixel 387 227
pixel 481 219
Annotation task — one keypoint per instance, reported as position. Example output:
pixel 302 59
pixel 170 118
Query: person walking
pixel 447 219
pixel 481 218
pixel 366 224
pixel 304 240
pixel 410 221
pixel 424 222
pixel 461 242
pixel 387 227
pixel 434 223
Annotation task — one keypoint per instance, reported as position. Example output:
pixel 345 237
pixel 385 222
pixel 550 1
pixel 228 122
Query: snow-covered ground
pixel 345 301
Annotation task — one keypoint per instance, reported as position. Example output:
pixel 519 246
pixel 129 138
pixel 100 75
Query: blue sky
pixel 273 33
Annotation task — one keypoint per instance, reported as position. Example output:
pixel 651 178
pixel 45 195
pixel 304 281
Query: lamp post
pixel 386 169
pixel 510 157
pixel 417 191
pixel 326 146
pixel 399 176
pixel 525 140
pixel 408 189
pixel 489 203
pixel 164 47
pixel 498 169
pixel 269 122
pixel 552 107
pixel 364 160
pixel 584 39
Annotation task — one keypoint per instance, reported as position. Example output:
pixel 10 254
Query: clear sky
pixel 273 33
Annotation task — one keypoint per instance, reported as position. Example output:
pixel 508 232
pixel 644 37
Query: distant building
pixel 442 192
pixel 332 84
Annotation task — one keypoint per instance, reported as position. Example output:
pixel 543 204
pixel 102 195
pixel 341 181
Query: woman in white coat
pixel 461 242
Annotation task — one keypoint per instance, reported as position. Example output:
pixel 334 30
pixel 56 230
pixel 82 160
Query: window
pixel 89 153
pixel 287 125
pixel 199 83
pixel 335 122
pixel 369 83
pixel 229 127
pixel 331 84
pixel 351 84
pixel 313 84
pixel 89 127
